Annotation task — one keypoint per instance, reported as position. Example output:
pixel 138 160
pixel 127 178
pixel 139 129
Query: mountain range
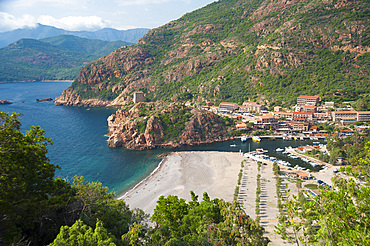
pixel 56 58
pixel 240 50
pixel 42 31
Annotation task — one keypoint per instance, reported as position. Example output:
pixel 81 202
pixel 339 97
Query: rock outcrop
pixel 5 102
pixel 161 125
pixel 69 98
pixel 48 99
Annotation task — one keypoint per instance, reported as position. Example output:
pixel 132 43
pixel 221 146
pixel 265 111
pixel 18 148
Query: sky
pixel 91 15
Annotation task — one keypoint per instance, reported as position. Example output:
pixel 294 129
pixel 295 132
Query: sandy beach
pixel 213 172
pixel 217 174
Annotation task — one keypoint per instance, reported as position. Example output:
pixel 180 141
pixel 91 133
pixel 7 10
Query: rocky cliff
pixel 162 125
pixel 238 50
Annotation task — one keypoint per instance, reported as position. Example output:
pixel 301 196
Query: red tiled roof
pixel 309 106
pixel 302 174
pixel 303 113
pixel 308 97
pixel 345 112
pixel 227 103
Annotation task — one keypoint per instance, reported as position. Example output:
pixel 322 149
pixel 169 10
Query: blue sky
pixel 76 15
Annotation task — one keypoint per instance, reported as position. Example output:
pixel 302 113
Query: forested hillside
pixel 43 31
pixel 56 58
pixel 240 50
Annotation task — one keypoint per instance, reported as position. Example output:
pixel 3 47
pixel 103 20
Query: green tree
pixel 97 204
pixel 209 222
pixel 26 180
pixel 81 234
pixel 361 105
pixel 340 215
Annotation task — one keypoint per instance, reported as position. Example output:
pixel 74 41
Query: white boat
pixel 256 139
pixel 301 138
pixel 232 145
pixel 244 139
pixel 279 149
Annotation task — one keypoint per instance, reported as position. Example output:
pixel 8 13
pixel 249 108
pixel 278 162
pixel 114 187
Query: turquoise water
pixel 80 145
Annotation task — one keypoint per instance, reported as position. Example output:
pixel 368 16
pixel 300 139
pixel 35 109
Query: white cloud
pixel 74 23
pixel 45 3
pixel 146 2
pixel 9 22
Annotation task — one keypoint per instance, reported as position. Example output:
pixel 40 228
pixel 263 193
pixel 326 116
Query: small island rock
pixel 5 102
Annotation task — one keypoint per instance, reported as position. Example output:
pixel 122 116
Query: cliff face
pixel 161 125
pixel 237 50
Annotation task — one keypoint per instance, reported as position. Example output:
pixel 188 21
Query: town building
pixel 302 116
pixel 284 127
pixel 278 109
pixel 138 96
pixel 345 117
pixel 308 100
pixel 309 108
pixel 300 126
pixel 363 116
pixel 303 175
pixel 322 116
pixel 241 126
pixel 253 107
pixel 286 115
pixel 329 105
pixel 267 121
pixel 226 107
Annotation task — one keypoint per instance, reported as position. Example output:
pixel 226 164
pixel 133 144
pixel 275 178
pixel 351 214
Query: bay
pixel 80 141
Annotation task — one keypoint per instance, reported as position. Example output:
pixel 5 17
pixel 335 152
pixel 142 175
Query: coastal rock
pixel 44 100
pixel 71 98
pixel 161 125
pixel 5 102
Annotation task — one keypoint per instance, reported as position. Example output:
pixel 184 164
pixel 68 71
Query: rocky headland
pixel 161 125
pixel 5 102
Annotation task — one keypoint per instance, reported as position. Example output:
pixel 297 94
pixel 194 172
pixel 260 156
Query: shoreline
pixel 34 81
pixel 157 169
pixel 178 173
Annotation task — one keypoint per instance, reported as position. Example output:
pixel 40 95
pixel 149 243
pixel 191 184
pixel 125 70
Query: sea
pixel 80 142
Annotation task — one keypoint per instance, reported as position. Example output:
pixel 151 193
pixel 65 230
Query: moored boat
pixel 244 139
pixel 256 139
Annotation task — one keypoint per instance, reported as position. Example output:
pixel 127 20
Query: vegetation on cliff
pixel 237 50
pixel 159 124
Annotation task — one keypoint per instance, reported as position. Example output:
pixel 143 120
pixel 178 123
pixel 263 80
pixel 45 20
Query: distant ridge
pixel 56 58
pixel 42 31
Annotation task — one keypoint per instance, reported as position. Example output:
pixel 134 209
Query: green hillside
pixel 89 46
pixel 238 50
pixel 57 58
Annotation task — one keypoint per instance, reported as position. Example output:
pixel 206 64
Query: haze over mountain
pixel 42 31
pixel 56 58
pixel 240 50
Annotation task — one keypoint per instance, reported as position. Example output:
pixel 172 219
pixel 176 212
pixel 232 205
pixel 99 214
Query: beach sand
pixel 181 172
